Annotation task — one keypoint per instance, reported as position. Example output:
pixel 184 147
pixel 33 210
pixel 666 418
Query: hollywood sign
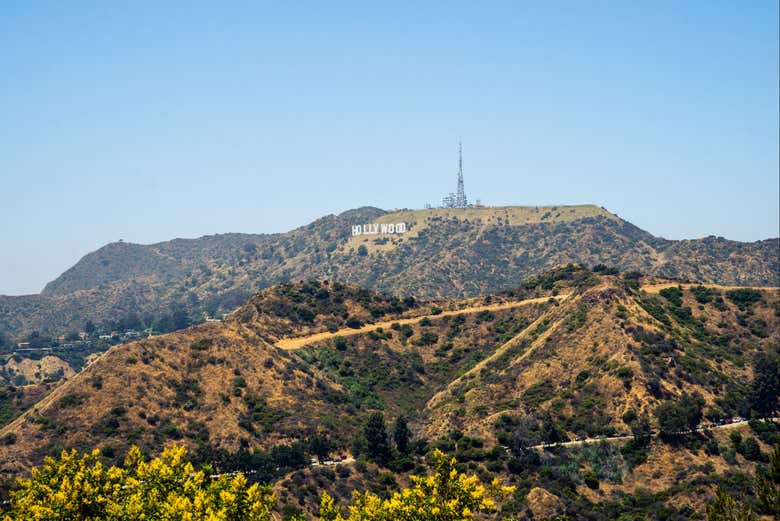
pixel 378 229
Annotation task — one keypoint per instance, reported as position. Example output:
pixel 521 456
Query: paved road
pixel 577 443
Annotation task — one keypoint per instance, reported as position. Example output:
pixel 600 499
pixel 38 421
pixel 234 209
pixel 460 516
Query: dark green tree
pixel 692 406
pixel 89 327
pixel 401 434
pixel 765 387
pixel 726 508
pixel 375 433
pixel 180 317
pixel 319 445
pixel 680 416
pixel 768 486
pixel 767 489
pixel 641 429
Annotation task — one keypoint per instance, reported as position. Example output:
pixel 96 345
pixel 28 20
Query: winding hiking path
pixel 298 342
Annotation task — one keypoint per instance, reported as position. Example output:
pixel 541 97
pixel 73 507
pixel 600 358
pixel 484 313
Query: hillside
pixel 445 254
pixel 568 353
pixel 609 349
pixel 226 383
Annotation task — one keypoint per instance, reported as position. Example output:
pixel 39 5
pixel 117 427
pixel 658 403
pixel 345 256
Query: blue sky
pixel 146 122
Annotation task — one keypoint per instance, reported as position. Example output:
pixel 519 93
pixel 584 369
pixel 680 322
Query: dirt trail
pixel 655 288
pixel 298 342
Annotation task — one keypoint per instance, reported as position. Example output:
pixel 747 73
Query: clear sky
pixel 144 122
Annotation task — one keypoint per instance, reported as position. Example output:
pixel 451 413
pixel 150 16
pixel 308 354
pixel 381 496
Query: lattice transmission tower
pixel 460 196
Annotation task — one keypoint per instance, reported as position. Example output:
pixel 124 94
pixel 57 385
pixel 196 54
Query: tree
pixel 319 445
pixel 692 406
pixel 525 434
pixel 725 508
pixel 179 316
pixel 362 250
pixel 89 327
pixel 377 445
pixel 447 495
pixel 765 387
pixel 768 486
pixel 401 434
pixel 683 415
pixel 81 488
pixel 641 429
pixel 767 489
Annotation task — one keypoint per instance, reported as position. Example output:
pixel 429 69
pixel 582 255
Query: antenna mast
pixel 460 198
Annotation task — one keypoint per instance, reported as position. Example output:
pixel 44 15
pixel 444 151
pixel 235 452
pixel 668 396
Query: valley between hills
pixel 322 369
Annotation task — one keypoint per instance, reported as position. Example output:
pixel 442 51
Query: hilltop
pixel 445 254
pixel 568 353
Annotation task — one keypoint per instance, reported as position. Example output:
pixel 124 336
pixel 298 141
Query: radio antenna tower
pixel 460 196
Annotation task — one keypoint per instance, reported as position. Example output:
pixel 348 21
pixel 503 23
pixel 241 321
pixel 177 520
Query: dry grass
pixel 419 220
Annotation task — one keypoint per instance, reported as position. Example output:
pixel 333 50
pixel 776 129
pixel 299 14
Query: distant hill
pixel 573 349
pixel 445 253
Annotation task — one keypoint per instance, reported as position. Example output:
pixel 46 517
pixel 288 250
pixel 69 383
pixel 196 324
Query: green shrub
pixel 340 343
pixel 744 297
pixel 673 295
pixel 751 450
pixel 703 294
pixel 591 480
pixel 426 339
pixel 354 323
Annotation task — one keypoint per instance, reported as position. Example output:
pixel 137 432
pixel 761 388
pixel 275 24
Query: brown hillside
pixel 445 254
pixel 607 349
pixel 571 349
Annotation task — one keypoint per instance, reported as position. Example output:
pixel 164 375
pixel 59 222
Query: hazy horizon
pixel 148 123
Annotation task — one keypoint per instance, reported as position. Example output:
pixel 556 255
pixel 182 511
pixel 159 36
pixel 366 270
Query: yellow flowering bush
pixel 77 488
pixel 446 495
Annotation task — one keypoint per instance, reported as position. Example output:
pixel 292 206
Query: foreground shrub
pixel 447 495
pixel 82 488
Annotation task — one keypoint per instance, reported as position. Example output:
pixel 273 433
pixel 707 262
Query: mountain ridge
pixel 481 250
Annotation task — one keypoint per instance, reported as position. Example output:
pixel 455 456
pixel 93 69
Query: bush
pixel 168 487
pixel 591 480
pixel 744 297
pixel 703 294
pixel 170 430
pixel 711 447
pixel 354 323
pixel 673 295
pixel 426 339
pixel 751 450
pixel 446 495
